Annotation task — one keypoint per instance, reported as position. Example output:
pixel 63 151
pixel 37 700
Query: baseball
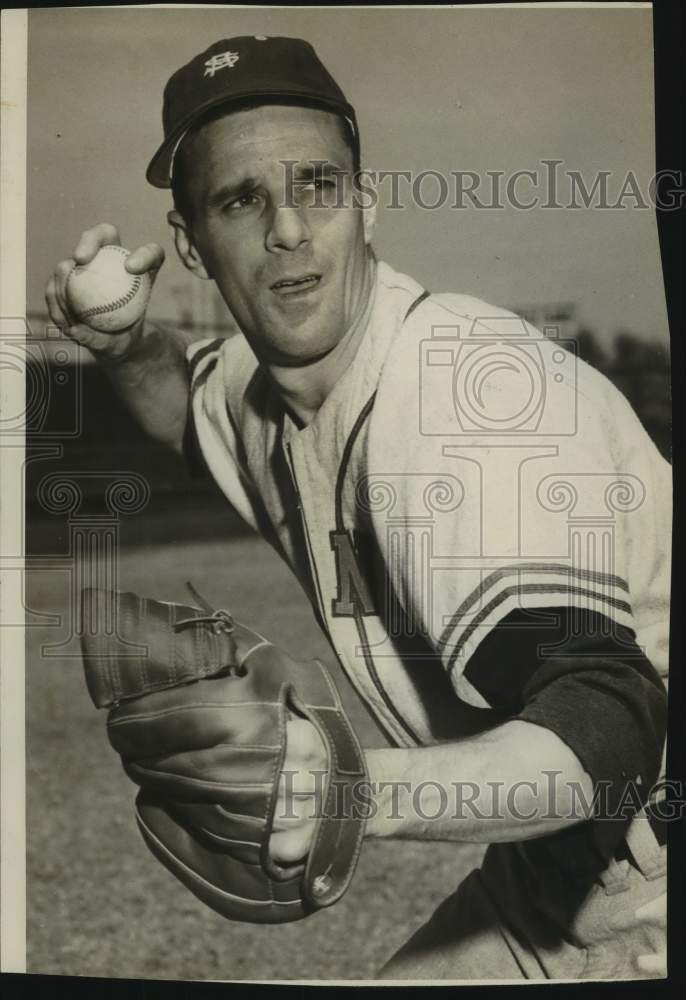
pixel 103 295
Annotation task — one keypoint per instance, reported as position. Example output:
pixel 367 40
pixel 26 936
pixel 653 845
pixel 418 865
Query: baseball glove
pixel 198 705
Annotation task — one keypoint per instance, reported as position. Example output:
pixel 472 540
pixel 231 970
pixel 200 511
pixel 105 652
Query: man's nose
pixel 288 229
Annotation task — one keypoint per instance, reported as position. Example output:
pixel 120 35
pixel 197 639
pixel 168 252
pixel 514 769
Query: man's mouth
pixel 297 284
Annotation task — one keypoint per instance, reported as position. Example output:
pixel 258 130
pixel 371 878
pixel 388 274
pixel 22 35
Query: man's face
pixel 292 268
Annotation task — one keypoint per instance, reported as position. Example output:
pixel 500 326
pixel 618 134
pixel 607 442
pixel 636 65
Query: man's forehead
pixel 271 127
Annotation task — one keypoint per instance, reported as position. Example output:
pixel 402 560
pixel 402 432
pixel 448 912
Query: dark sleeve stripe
pixel 202 352
pixel 530 588
pixel 417 302
pixel 203 376
pixel 557 569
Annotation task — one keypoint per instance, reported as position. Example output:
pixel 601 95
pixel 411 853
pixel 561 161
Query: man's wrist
pixel 389 791
pixel 134 346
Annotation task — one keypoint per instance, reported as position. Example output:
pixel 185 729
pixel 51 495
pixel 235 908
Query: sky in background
pixel 444 89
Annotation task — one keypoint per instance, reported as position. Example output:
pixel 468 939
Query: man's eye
pixel 242 202
pixel 319 191
pixel 318 184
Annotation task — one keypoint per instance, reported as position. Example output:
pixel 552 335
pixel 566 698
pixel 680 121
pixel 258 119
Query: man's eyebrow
pixel 227 192
pixel 317 168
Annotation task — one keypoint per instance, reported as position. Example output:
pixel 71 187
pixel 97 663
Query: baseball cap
pixel 234 70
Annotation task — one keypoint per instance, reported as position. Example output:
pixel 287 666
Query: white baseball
pixel 103 294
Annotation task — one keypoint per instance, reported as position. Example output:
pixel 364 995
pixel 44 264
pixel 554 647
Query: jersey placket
pixel 315 492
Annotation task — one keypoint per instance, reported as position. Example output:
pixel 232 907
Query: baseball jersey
pixel 477 517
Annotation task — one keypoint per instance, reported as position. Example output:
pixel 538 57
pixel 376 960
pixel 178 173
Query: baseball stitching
pixel 116 303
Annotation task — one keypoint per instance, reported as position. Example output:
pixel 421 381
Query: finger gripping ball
pixel 103 295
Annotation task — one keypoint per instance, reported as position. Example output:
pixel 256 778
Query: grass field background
pixel 99 904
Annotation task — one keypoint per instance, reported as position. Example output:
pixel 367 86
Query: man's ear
pixel 185 248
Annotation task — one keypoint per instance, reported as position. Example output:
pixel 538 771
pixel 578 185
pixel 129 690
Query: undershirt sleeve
pixel 192 453
pixel 583 677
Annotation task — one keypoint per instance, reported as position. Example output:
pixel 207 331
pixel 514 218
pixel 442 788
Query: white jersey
pixel 464 465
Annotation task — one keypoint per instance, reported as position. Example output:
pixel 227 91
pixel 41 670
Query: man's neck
pixel 304 389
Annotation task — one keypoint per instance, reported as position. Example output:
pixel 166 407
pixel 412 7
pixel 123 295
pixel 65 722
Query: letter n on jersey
pixel 352 592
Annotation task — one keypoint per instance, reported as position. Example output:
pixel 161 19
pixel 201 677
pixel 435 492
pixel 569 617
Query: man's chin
pixel 301 359
pixel 295 345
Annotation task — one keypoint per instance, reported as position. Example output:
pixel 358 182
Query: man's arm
pixel 152 381
pixel 515 782
pixel 589 719
pixel 145 363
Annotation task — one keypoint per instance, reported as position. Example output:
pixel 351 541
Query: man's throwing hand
pixel 147 259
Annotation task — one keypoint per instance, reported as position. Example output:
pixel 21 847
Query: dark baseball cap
pixel 236 70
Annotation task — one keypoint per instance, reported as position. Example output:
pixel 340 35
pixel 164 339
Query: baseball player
pixel 477 517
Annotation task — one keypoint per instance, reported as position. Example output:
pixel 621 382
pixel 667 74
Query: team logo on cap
pixel 225 60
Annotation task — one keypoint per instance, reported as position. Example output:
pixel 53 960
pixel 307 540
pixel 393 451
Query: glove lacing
pixel 220 621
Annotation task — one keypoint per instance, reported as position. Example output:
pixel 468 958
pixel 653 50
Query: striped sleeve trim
pixel 198 354
pixel 491 582
pixel 535 584
pixel 202 374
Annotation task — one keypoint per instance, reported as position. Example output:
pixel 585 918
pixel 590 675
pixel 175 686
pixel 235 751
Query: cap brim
pixel 159 169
